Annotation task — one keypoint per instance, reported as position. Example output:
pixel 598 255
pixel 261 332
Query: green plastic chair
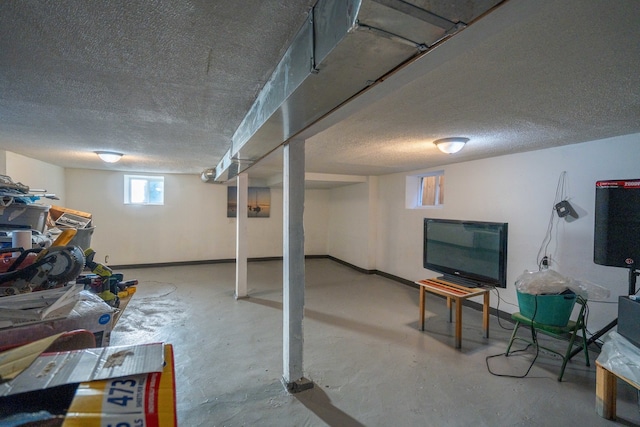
pixel 566 333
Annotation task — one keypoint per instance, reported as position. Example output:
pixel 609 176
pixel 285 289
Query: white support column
pixel 372 234
pixel 242 181
pixel 293 274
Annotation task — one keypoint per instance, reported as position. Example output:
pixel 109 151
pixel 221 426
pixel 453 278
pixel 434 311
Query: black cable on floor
pixel 534 340
pixel 498 309
pixel 486 360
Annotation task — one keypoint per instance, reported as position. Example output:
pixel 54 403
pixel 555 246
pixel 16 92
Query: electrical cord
pixel 542 252
pixel 511 353
pixel 534 340
pixel 493 288
pixel 544 247
pixel 542 260
pixel 598 343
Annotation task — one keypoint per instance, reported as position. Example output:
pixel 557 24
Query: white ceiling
pixel 168 84
pixel 165 82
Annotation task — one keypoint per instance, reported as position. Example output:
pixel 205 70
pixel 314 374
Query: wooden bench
pixel 607 390
pixel 457 293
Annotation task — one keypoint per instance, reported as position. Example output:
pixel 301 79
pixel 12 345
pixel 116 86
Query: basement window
pixel 143 190
pixel 431 190
pixel 425 190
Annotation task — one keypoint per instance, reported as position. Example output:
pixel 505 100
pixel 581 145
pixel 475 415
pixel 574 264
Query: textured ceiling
pixel 168 83
pixel 563 75
pixel 529 76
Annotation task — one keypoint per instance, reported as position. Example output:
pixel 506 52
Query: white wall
pixel 37 175
pixel 191 226
pixel 352 223
pixel 519 189
pixel 364 224
pixel 316 221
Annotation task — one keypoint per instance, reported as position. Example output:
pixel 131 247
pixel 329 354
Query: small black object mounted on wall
pixel 564 208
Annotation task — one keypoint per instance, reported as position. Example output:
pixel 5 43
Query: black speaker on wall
pixel 617 223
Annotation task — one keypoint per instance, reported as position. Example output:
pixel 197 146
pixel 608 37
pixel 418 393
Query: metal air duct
pixel 343 47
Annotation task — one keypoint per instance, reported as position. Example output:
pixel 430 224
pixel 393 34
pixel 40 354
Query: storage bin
pixel 22 214
pixel 82 238
pixel 553 310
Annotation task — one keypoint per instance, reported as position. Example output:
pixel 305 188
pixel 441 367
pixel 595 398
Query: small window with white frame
pixel 143 190
pixel 431 190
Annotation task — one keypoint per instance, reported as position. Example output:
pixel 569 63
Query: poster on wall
pixel 258 202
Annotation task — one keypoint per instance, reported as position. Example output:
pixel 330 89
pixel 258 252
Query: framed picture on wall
pixel 258 202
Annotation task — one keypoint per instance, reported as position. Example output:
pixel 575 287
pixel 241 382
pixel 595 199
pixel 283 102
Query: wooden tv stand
pixel 457 293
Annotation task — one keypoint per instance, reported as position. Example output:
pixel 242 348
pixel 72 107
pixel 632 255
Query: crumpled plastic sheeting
pixel 89 303
pixel 621 357
pixel 552 282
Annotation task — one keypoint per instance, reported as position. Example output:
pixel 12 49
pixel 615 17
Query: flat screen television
pixel 471 253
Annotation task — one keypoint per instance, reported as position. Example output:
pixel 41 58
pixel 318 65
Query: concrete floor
pixel 370 364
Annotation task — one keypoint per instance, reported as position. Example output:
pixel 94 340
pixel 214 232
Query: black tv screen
pixel 472 253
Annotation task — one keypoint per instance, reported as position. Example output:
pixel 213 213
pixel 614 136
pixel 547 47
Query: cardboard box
pixel 63 218
pixel 54 369
pixel 57 211
pixel 147 400
pixel 72 221
pixel 141 400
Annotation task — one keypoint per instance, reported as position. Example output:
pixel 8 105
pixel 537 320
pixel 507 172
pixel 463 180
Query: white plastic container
pixel 20 214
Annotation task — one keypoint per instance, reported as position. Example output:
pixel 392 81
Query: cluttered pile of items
pixel 47 264
pixel 58 306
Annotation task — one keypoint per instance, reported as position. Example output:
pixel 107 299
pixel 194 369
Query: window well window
pixel 425 190
pixel 431 190
pixel 143 190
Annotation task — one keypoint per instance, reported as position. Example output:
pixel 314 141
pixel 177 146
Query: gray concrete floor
pixel 370 364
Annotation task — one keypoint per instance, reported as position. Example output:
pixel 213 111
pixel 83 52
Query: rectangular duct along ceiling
pixel 343 47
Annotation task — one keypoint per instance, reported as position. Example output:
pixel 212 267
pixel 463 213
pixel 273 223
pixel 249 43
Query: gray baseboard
pixel 472 304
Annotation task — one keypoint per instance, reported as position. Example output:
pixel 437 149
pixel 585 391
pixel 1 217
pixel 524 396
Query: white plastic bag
pixel 621 357
pixel 551 282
